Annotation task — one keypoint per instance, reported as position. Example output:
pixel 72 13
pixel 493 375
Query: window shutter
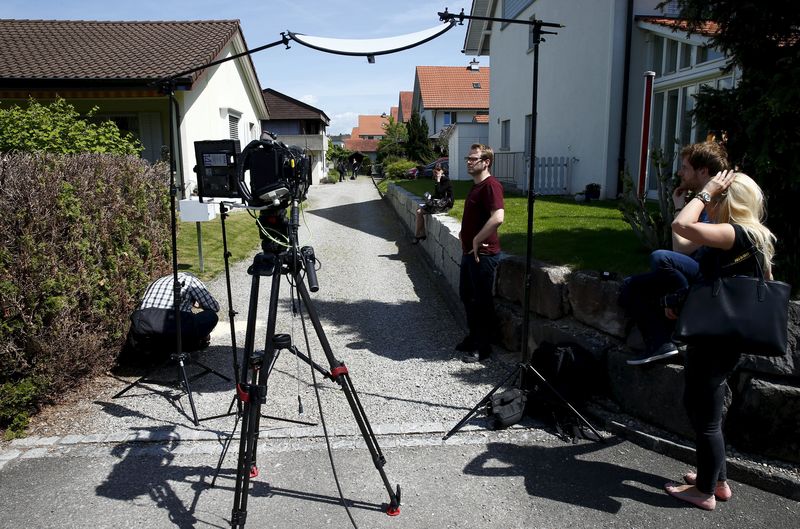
pixel 233 126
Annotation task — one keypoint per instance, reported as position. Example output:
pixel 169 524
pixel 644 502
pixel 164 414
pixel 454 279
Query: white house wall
pixel 219 93
pixel 464 135
pixel 581 72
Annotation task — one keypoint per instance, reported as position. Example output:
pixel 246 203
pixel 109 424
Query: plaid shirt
pixel 159 294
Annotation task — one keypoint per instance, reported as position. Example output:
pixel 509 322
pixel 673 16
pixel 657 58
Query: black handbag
pixel 737 313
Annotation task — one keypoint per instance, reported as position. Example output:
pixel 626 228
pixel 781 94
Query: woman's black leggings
pixel 706 372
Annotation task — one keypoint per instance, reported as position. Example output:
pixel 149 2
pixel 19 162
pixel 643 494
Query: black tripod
pixel 252 387
pixel 518 371
pixel 183 378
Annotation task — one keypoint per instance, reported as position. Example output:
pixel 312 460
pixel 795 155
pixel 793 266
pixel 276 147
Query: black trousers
pixel 154 331
pixel 475 288
pixel 706 373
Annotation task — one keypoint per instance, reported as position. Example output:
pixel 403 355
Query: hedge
pixel 82 236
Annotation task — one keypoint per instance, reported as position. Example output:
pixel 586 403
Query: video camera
pixel 279 174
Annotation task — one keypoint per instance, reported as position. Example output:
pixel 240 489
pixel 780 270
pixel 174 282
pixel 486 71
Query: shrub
pixel 398 169
pixel 81 237
pixel 59 128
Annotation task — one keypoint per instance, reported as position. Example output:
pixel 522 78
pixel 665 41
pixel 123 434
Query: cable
pixel 322 417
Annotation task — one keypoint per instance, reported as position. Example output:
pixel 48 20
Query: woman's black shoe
pixel 417 239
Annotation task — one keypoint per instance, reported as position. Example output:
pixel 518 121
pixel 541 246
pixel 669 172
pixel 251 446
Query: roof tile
pixel 80 49
pixel 453 87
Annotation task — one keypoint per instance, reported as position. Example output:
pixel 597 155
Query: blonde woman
pixel 735 239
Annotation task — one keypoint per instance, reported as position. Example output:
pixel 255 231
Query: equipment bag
pixel 508 407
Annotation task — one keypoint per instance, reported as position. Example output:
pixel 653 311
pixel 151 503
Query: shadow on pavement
pixel 562 474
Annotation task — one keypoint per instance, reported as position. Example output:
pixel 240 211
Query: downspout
pixel 623 130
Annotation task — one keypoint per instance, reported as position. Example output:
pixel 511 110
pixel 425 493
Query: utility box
pixel 194 211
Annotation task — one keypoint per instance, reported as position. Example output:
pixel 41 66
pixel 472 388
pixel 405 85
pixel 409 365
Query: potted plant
pixel 592 191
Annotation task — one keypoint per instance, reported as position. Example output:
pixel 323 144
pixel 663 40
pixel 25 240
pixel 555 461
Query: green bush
pixel 58 128
pixel 398 169
pixel 81 237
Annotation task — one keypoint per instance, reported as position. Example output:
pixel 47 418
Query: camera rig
pixel 278 173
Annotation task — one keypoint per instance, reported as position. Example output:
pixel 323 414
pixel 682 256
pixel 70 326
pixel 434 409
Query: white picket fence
pixel 551 175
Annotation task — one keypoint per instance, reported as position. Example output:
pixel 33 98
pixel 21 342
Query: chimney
pixel 474 66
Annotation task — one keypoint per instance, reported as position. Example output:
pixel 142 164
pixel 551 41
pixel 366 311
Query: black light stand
pixel 180 356
pixel 525 366
pixel 167 85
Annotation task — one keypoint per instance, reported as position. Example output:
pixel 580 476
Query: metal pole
pixel 526 311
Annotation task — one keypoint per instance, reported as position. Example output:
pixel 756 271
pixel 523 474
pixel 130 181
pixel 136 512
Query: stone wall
pixel 581 307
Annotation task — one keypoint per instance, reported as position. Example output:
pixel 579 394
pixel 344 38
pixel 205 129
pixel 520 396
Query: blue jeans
pixel 475 289
pixel 641 294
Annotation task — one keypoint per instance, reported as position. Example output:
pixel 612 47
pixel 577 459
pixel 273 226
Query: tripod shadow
pixel 147 470
pixel 562 474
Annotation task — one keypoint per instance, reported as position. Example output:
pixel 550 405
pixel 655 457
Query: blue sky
pixel 343 87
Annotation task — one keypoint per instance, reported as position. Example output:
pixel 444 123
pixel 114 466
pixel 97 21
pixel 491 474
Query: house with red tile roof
pixel 445 95
pixel 366 135
pixel 591 88
pixel 120 68
pixel 297 123
pixel 404 106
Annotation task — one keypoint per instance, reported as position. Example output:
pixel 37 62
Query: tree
pixel 393 141
pixel 59 128
pixel 418 147
pixel 760 114
pixel 336 153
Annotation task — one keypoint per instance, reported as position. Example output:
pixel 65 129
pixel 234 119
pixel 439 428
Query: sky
pixel 343 87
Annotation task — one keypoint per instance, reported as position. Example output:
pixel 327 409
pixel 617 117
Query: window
pixel 450 118
pixel 686 56
pixel 672 56
pixel 476 85
pixel 505 135
pixel 233 127
pixel 658 56
pixel 512 8
pixel 706 54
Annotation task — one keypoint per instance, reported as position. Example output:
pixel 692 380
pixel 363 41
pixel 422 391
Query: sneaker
pixel 481 355
pixel 466 345
pixel 665 351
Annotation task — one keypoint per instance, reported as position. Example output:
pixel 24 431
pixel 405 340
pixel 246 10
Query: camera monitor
pixel 217 168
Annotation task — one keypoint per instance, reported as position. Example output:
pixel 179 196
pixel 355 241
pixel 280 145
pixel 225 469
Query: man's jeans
pixel 641 294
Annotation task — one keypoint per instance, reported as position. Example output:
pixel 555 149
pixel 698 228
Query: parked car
pixel 426 171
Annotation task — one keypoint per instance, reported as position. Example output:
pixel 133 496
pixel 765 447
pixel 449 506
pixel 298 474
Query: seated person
pixel 153 330
pixel 441 201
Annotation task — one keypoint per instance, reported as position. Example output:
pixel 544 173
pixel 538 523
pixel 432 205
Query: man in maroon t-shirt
pixel 483 214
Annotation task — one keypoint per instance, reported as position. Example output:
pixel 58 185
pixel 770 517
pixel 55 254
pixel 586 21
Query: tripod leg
pixel 566 403
pixel 207 370
pixel 188 388
pixel 247 448
pixel 482 402
pixel 225 446
pixel 340 373
pixel 139 380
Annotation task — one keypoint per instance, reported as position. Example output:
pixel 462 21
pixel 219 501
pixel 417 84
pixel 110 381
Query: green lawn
pixel 241 234
pixel 591 236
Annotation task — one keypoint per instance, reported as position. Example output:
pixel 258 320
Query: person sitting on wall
pixel 441 201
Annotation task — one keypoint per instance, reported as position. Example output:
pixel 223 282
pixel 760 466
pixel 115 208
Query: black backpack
pixel 575 374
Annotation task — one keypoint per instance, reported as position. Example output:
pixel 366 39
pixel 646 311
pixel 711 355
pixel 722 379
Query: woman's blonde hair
pixel 744 204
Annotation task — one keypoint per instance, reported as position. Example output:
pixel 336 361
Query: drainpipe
pixel 623 130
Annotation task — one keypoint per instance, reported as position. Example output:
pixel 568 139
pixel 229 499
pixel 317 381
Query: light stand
pixel 525 366
pixel 180 356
